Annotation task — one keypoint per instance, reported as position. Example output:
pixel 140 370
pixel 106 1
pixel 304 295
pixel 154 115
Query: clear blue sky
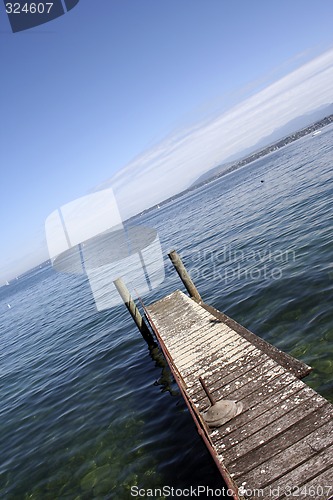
pixel 90 93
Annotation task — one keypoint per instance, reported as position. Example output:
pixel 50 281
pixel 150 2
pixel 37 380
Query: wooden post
pixel 184 276
pixel 134 311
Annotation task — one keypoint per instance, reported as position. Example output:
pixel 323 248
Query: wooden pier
pixel 281 444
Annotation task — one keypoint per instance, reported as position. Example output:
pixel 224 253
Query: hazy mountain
pixel 287 129
pixel 293 126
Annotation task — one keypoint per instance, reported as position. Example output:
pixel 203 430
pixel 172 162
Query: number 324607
pixel 29 8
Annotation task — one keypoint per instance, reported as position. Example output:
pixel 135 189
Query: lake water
pixel 87 410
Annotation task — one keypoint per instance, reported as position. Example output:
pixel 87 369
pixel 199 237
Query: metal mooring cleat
pixel 219 412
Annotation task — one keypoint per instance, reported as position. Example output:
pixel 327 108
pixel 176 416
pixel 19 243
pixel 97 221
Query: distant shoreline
pixel 244 161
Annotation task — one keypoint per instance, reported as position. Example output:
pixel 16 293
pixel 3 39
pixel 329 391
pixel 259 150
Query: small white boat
pixel 316 132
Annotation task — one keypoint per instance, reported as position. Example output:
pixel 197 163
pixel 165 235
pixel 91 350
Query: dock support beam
pixel 134 311
pixel 184 276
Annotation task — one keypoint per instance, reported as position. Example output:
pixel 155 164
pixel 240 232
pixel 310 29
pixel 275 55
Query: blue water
pixel 87 410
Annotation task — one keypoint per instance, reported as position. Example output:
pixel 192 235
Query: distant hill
pixel 294 125
pixel 287 129
pixel 256 152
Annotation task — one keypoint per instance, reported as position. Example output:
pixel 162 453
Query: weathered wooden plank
pixel 183 324
pixel 292 364
pixel 280 442
pixel 240 390
pixel 206 359
pixel 233 386
pixel 253 384
pixel 234 446
pixel 256 403
pixel 248 353
pixel 289 458
pixel 269 415
pixel 255 408
pixel 215 344
pixel 217 353
pixel 230 373
pixel 221 357
pixel 320 487
pixel 174 306
pixel 198 337
pixel 306 472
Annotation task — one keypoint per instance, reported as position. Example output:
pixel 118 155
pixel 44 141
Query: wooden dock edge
pixel 295 366
pixel 298 368
pixel 201 425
